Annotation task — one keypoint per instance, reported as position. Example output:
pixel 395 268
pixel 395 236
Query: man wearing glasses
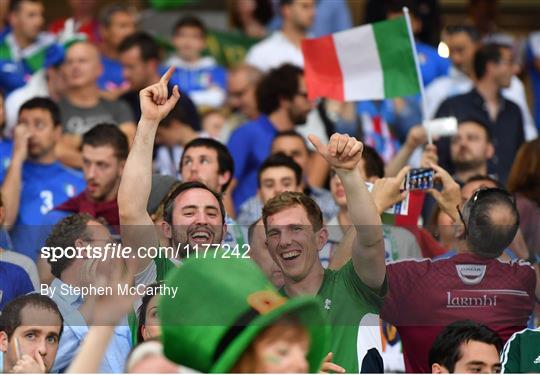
pixel 425 296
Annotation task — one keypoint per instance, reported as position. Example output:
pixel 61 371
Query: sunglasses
pixel 478 194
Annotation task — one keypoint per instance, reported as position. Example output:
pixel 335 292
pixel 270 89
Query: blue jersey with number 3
pixel 44 186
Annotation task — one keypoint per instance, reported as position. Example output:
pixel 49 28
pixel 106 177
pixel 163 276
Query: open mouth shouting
pixel 201 236
pixel 290 255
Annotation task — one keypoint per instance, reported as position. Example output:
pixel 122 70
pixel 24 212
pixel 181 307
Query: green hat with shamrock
pixel 221 306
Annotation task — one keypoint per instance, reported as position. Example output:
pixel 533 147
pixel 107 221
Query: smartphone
pixel 419 179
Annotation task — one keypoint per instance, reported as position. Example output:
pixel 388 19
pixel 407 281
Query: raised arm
pixel 68 150
pixel 344 153
pixel 103 313
pixel 449 198
pixel 385 193
pixel 416 137
pixel 137 228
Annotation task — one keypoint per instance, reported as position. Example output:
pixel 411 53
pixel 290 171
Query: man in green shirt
pixel 521 354
pixel 352 295
pixel 194 216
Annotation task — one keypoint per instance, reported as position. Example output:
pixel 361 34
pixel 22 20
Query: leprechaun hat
pixel 220 308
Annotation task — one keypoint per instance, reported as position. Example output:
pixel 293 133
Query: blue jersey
pixel 250 145
pixel 14 282
pixel 204 81
pixel 331 16
pixel 431 64
pixel 6 149
pixel 533 53
pixel 17 66
pixel 112 76
pixel 45 186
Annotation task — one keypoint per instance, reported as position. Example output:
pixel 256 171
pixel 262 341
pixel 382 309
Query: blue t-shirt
pixel 331 16
pixel 534 73
pixel 45 186
pixel 17 66
pixel 249 145
pixel 197 79
pixel 204 81
pixel 14 282
pixel 431 64
pixel 112 76
pixel 6 149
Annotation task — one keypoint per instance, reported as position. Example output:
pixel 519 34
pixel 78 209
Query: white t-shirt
pixel 36 86
pixel 273 52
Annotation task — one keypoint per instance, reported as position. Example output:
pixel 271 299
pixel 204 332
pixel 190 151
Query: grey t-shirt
pixel 79 120
pixel 399 243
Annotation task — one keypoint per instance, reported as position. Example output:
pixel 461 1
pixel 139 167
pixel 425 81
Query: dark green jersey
pixel 352 309
pixel 521 354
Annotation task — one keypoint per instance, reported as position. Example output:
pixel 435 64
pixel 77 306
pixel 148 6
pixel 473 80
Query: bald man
pixel 82 107
pixel 241 84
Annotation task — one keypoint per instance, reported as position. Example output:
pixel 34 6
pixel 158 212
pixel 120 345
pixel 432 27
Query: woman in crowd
pixel 524 183
pixel 147 314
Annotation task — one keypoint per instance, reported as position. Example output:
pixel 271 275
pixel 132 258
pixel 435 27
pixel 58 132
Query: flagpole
pixel 418 73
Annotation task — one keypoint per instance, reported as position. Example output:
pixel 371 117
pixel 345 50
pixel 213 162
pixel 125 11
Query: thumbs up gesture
pixel 342 151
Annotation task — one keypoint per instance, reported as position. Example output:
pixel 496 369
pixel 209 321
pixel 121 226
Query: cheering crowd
pixel 164 210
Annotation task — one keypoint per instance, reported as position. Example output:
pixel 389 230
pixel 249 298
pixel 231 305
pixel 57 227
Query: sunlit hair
pixel 290 199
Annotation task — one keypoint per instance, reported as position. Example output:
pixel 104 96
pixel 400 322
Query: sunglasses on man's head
pixel 482 192
pixel 478 194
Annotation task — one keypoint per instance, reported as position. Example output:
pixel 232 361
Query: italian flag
pixel 369 62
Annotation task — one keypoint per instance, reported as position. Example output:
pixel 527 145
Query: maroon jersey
pixel 425 296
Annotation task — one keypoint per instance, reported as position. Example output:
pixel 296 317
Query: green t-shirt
pixel 163 265
pixel 521 354
pixel 352 312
